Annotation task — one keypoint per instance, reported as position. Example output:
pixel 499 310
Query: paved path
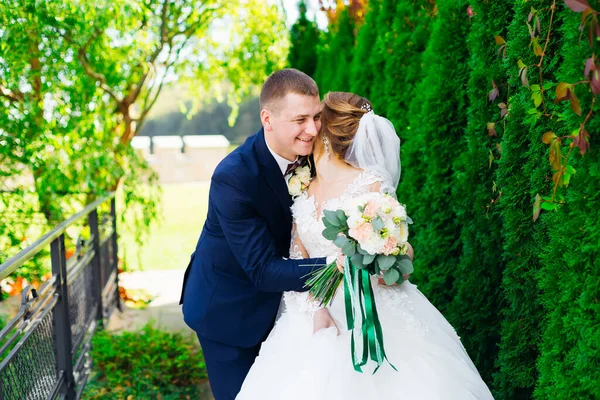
pixel 164 309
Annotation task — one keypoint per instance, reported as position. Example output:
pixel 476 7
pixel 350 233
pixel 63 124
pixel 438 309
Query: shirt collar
pixel 281 162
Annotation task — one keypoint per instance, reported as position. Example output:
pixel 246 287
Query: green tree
pixel 523 171
pixel 361 69
pixel 403 66
pixel 476 308
pixel 335 55
pixel 438 116
pixel 77 81
pixel 382 48
pixel 304 39
pixel 569 279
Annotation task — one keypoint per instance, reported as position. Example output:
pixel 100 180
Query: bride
pixel 358 152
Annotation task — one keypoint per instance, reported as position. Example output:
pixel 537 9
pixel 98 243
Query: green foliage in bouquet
pixel 324 282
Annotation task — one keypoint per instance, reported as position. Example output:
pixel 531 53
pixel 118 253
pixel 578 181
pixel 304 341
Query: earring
pixel 326 144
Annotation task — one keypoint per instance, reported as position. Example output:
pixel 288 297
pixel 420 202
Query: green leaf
pixel 342 217
pixel 377 224
pixel 332 217
pixel 549 206
pixel 330 233
pixel 535 88
pixel 385 262
pixel 548 85
pixel 537 98
pixel 361 251
pixel 341 241
pixel 409 220
pixel 405 265
pixel 367 258
pixel 349 249
pixel 357 260
pixel 391 276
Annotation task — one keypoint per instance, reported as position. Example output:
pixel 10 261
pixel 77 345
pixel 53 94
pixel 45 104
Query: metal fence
pixel 45 348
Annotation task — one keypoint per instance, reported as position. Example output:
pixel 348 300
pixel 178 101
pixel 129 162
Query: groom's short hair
pixel 280 83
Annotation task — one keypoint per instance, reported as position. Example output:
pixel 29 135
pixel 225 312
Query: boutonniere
pixel 298 181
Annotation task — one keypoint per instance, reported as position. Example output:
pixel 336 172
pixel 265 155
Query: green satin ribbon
pixel 359 296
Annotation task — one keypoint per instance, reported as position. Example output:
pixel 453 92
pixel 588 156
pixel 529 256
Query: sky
pixel 291 10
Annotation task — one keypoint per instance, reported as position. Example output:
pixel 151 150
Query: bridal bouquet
pixel 372 232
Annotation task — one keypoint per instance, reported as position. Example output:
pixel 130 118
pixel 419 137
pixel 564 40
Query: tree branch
pixel 12 95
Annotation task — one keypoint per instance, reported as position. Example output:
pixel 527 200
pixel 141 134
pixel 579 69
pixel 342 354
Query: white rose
pixel 403 233
pixel 294 186
pixel 303 173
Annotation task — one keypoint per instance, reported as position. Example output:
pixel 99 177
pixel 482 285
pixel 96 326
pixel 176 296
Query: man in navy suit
pixel 234 282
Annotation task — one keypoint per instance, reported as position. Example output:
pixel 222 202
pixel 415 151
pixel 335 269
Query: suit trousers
pixel 227 366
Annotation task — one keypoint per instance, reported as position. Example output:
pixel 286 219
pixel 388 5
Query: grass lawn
pixel 173 239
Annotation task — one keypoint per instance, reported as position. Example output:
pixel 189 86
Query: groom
pixel 233 284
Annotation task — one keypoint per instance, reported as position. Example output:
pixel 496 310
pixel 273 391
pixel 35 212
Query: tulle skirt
pixel 431 361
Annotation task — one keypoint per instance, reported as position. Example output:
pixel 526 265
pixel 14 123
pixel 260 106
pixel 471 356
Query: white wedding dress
pixel 295 364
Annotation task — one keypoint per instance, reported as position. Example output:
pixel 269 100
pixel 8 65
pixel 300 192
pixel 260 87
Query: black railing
pixel 45 348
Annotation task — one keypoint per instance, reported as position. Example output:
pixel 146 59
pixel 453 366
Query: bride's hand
pixel 410 252
pixel 323 320
pixel 341 261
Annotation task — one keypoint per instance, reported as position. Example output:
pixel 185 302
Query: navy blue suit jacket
pixel 233 285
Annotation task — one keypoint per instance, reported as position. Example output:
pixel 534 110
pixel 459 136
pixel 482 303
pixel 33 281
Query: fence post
pixel 96 265
pixel 62 324
pixel 115 260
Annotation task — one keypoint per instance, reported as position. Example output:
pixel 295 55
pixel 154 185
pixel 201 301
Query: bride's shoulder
pixel 367 180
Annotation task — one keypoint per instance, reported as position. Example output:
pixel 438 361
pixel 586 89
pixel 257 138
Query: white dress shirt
pixel 282 162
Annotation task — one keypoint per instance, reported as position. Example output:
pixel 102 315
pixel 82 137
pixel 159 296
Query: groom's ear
pixel 265 118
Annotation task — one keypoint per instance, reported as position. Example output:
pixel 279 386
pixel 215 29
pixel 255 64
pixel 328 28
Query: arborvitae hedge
pixel 523 172
pixel 476 307
pixel 440 124
pixel 361 70
pixel 336 55
pixel 304 39
pixel 409 34
pixel 569 363
pixel 382 47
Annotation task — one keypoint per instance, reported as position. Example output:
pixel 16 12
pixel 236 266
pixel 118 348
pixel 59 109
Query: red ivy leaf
pixel 491 127
pixel 494 92
pixel 582 140
pixel 470 12
pixel 589 66
pixel 503 110
pixel 575 103
pixel 595 81
pixel 577 5
pixel 523 75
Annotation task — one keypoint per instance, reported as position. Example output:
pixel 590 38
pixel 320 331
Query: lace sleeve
pixel 297 251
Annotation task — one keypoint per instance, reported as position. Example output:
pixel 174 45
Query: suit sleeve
pixel 251 242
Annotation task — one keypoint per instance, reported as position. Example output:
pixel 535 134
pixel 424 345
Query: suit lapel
pixel 272 174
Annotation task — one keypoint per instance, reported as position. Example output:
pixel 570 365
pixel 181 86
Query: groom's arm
pixel 252 243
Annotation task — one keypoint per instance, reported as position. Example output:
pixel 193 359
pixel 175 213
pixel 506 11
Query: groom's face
pixel 293 125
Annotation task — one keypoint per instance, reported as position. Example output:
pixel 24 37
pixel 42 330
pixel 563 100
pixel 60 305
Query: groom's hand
pixel 323 320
